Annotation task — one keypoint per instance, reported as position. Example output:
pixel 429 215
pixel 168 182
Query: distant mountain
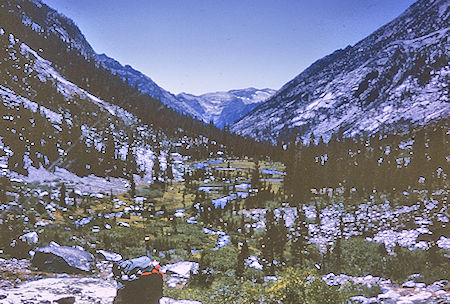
pixel 395 78
pixel 224 108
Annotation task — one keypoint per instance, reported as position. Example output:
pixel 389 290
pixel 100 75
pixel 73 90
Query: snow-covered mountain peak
pixel 223 108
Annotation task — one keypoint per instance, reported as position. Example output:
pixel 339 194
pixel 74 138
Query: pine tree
pixel 242 256
pixel 131 169
pixel 281 240
pixel 256 176
pixel 337 250
pixel 109 155
pixel 156 167
pixel 418 158
pixel 268 243
pixel 169 170
pixel 299 239
pixel 62 196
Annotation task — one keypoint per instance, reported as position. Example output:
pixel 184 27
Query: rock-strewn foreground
pixel 410 292
pixel 85 290
pixel 47 290
pixel 19 284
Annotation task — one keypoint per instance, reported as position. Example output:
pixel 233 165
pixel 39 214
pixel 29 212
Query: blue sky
pixel 200 46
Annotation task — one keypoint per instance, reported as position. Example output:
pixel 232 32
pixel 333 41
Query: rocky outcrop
pixel 179 273
pixel 31 238
pixel 62 259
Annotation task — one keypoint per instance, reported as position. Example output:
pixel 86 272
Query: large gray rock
pixel 409 284
pixel 109 256
pixel 31 238
pixel 62 259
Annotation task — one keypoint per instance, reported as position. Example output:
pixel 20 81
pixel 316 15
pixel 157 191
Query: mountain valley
pixel 333 189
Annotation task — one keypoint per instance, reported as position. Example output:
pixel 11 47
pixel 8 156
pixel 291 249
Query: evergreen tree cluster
pixel 383 163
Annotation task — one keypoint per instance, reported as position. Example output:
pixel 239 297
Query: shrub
pixel 297 286
pixel 360 257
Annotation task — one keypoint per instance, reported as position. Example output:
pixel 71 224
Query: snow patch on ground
pixel 89 184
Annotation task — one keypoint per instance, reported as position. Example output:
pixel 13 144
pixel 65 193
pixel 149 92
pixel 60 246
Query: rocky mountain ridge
pixel 393 79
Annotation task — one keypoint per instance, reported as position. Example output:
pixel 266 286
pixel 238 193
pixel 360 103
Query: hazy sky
pixel 200 46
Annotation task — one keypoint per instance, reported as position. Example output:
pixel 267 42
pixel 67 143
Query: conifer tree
pixel 418 158
pixel 131 169
pixel 337 250
pixel 156 168
pixel 268 243
pixel 281 240
pixel 62 196
pixel 256 176
pixel 169 170
pixel 242 256
pixel 299 239
pixel 109 155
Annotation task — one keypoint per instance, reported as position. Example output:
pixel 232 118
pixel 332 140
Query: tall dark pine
pixel 131 170
pixel 268 243
pixel 62 196
pixel 337 250
pixel 438 147
pixel 109 154
pixel 156 168
pixel 242 256
pixel 299 239
pixel 281 240
pixel 169 169
pixel 256 176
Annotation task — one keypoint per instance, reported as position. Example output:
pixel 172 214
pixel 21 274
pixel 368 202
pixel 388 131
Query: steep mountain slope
pixel 224 108
pixel 49 123
pixel 396 77
pixel 46 21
